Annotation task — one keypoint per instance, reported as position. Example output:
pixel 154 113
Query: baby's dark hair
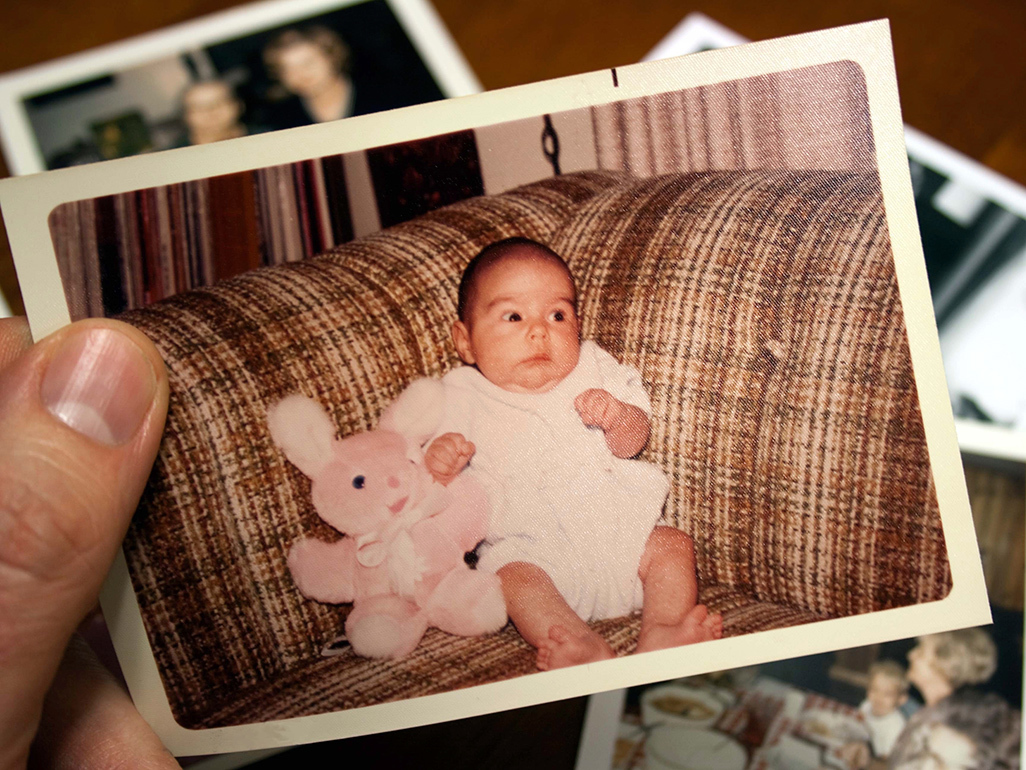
pixel 493 254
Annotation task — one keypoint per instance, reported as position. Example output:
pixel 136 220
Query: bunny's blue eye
pixel 358 482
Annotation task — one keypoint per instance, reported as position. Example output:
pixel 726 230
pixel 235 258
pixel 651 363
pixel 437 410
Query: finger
pixel 431 459
pixel 581 405
pixel 89 721
pixel 15 339
pixel 438 465
pixel 81 414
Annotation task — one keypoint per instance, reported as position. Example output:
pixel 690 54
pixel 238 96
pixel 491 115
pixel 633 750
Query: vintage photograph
pixel 592 385
pixel 244 72
pixel 754 296
pixel 975 241
pixel 951 697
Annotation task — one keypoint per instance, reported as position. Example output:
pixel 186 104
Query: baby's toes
pixel 714 625
pixel 718 626
pixel 544 658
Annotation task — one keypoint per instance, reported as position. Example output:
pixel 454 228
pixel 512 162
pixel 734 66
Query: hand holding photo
pixel 646 353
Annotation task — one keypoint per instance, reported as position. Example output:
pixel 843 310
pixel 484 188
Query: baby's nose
pixel 393 482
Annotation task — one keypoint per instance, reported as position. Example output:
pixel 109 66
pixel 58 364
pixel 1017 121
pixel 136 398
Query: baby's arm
pixel 447 456
pixel 626 426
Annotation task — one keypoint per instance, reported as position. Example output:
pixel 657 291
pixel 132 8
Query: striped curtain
pixel 125 251
pixel 810 118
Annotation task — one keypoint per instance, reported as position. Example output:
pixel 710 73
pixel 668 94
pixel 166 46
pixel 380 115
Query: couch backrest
pixel 763 311
pixel 761 308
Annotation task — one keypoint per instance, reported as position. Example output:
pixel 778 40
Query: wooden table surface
pixel 962 77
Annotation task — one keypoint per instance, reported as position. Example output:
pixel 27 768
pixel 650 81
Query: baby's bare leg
pixel 670 615
pixel 546 621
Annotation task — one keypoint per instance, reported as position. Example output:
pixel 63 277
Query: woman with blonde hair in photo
pixel 313 65
pixel 960 727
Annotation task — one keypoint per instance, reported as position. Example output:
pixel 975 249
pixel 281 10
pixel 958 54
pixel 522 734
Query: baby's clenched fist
pixel 599 408
pixel 447 456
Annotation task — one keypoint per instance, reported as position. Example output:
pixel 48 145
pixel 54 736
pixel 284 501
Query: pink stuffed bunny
pixel 401 561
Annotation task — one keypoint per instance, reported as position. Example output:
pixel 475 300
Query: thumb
pixel 81 414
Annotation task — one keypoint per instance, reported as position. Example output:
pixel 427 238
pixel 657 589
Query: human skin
pixel 211 113
pixel 522 333
pixel 884 694
pixel 81 413
pixel 925 672
pixel 307 71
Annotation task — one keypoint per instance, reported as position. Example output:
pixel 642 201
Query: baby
pixel 887 691
pixel 548 425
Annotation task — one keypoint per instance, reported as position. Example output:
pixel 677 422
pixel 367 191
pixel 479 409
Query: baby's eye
pixel 557 315
pixel 359 482
pixel 511 316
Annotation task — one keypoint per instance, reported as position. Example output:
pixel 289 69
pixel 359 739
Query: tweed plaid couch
pixel 763 313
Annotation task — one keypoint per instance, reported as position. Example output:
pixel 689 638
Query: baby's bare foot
pixel 563 649
pixel 697 626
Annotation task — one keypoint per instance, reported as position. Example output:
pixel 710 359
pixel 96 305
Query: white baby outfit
pixel 560 499
pixel 883 731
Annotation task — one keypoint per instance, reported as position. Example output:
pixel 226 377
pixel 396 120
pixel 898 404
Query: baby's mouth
pixel 398 505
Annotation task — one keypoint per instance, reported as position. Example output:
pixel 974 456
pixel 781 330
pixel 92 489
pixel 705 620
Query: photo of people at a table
pixel 937 701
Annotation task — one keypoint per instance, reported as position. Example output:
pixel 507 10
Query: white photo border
pixel 27 202
pixel 419 20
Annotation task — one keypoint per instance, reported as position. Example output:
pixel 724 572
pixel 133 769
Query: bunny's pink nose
pixel 393 482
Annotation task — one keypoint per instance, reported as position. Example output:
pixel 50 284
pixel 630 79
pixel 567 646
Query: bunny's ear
pixel 304 431
pixel 417 412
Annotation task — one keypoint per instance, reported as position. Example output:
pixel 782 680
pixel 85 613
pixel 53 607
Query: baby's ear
pixel 304 431
pixel 461 339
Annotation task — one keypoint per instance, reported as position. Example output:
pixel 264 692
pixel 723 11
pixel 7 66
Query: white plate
pixel 831 729
pixel 670 747
pixel 682 705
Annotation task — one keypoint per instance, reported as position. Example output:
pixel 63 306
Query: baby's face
pixel 521 330
pixel 884 694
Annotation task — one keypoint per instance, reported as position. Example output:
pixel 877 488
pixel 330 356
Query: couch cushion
pixel 320 685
